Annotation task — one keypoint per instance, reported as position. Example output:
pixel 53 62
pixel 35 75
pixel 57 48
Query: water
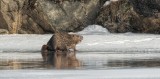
pixel 94 65
pixel 88 60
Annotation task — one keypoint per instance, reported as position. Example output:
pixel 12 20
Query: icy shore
pixel 152 73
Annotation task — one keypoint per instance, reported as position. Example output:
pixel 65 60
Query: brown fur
pixel 63 41
pixel 75 39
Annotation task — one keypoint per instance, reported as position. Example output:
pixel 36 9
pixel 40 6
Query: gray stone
pixel 3 31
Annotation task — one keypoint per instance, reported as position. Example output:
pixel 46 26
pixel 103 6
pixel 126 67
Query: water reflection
pixel 20 64
pixel 75 60
pixel 61 59
pixel 134 63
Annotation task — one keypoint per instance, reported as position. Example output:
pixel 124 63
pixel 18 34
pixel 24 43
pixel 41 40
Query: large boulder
pixel 72 15
pixel 131 16
pixel 10 15
pixel 17 16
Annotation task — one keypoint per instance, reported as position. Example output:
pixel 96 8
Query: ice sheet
pixel 96 38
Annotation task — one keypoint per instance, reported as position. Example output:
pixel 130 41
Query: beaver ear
pixel 74 35
pixel 71 35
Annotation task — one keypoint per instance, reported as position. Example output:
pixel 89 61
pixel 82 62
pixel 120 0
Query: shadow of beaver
pixel 61 59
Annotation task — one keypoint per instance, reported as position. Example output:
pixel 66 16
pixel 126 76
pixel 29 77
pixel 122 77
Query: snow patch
pixel 113 0
pixel 94 29
pixel 108 2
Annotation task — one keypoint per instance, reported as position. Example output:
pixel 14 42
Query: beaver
pixel 63 41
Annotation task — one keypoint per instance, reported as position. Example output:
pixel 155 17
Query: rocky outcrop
pixel 23 16
pixel 9 15
pixel 34 19
pixel 141 16
pixel 43 16
pixel 72 15
pixel 146 7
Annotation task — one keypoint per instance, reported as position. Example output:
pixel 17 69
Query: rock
pixel 146 7
pixel 43 16
pixel 151 25
pixel 23 16
pixel 116 16
pixel 72 15
pixel 140 16
pixel 46 16
pixel 11 15
pixel 3 31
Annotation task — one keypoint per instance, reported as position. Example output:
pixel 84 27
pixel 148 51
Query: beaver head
pixel 77 38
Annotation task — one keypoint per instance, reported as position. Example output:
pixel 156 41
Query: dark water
pixel 82 60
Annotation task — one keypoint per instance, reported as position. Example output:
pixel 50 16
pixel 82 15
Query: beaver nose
pixel 81 37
